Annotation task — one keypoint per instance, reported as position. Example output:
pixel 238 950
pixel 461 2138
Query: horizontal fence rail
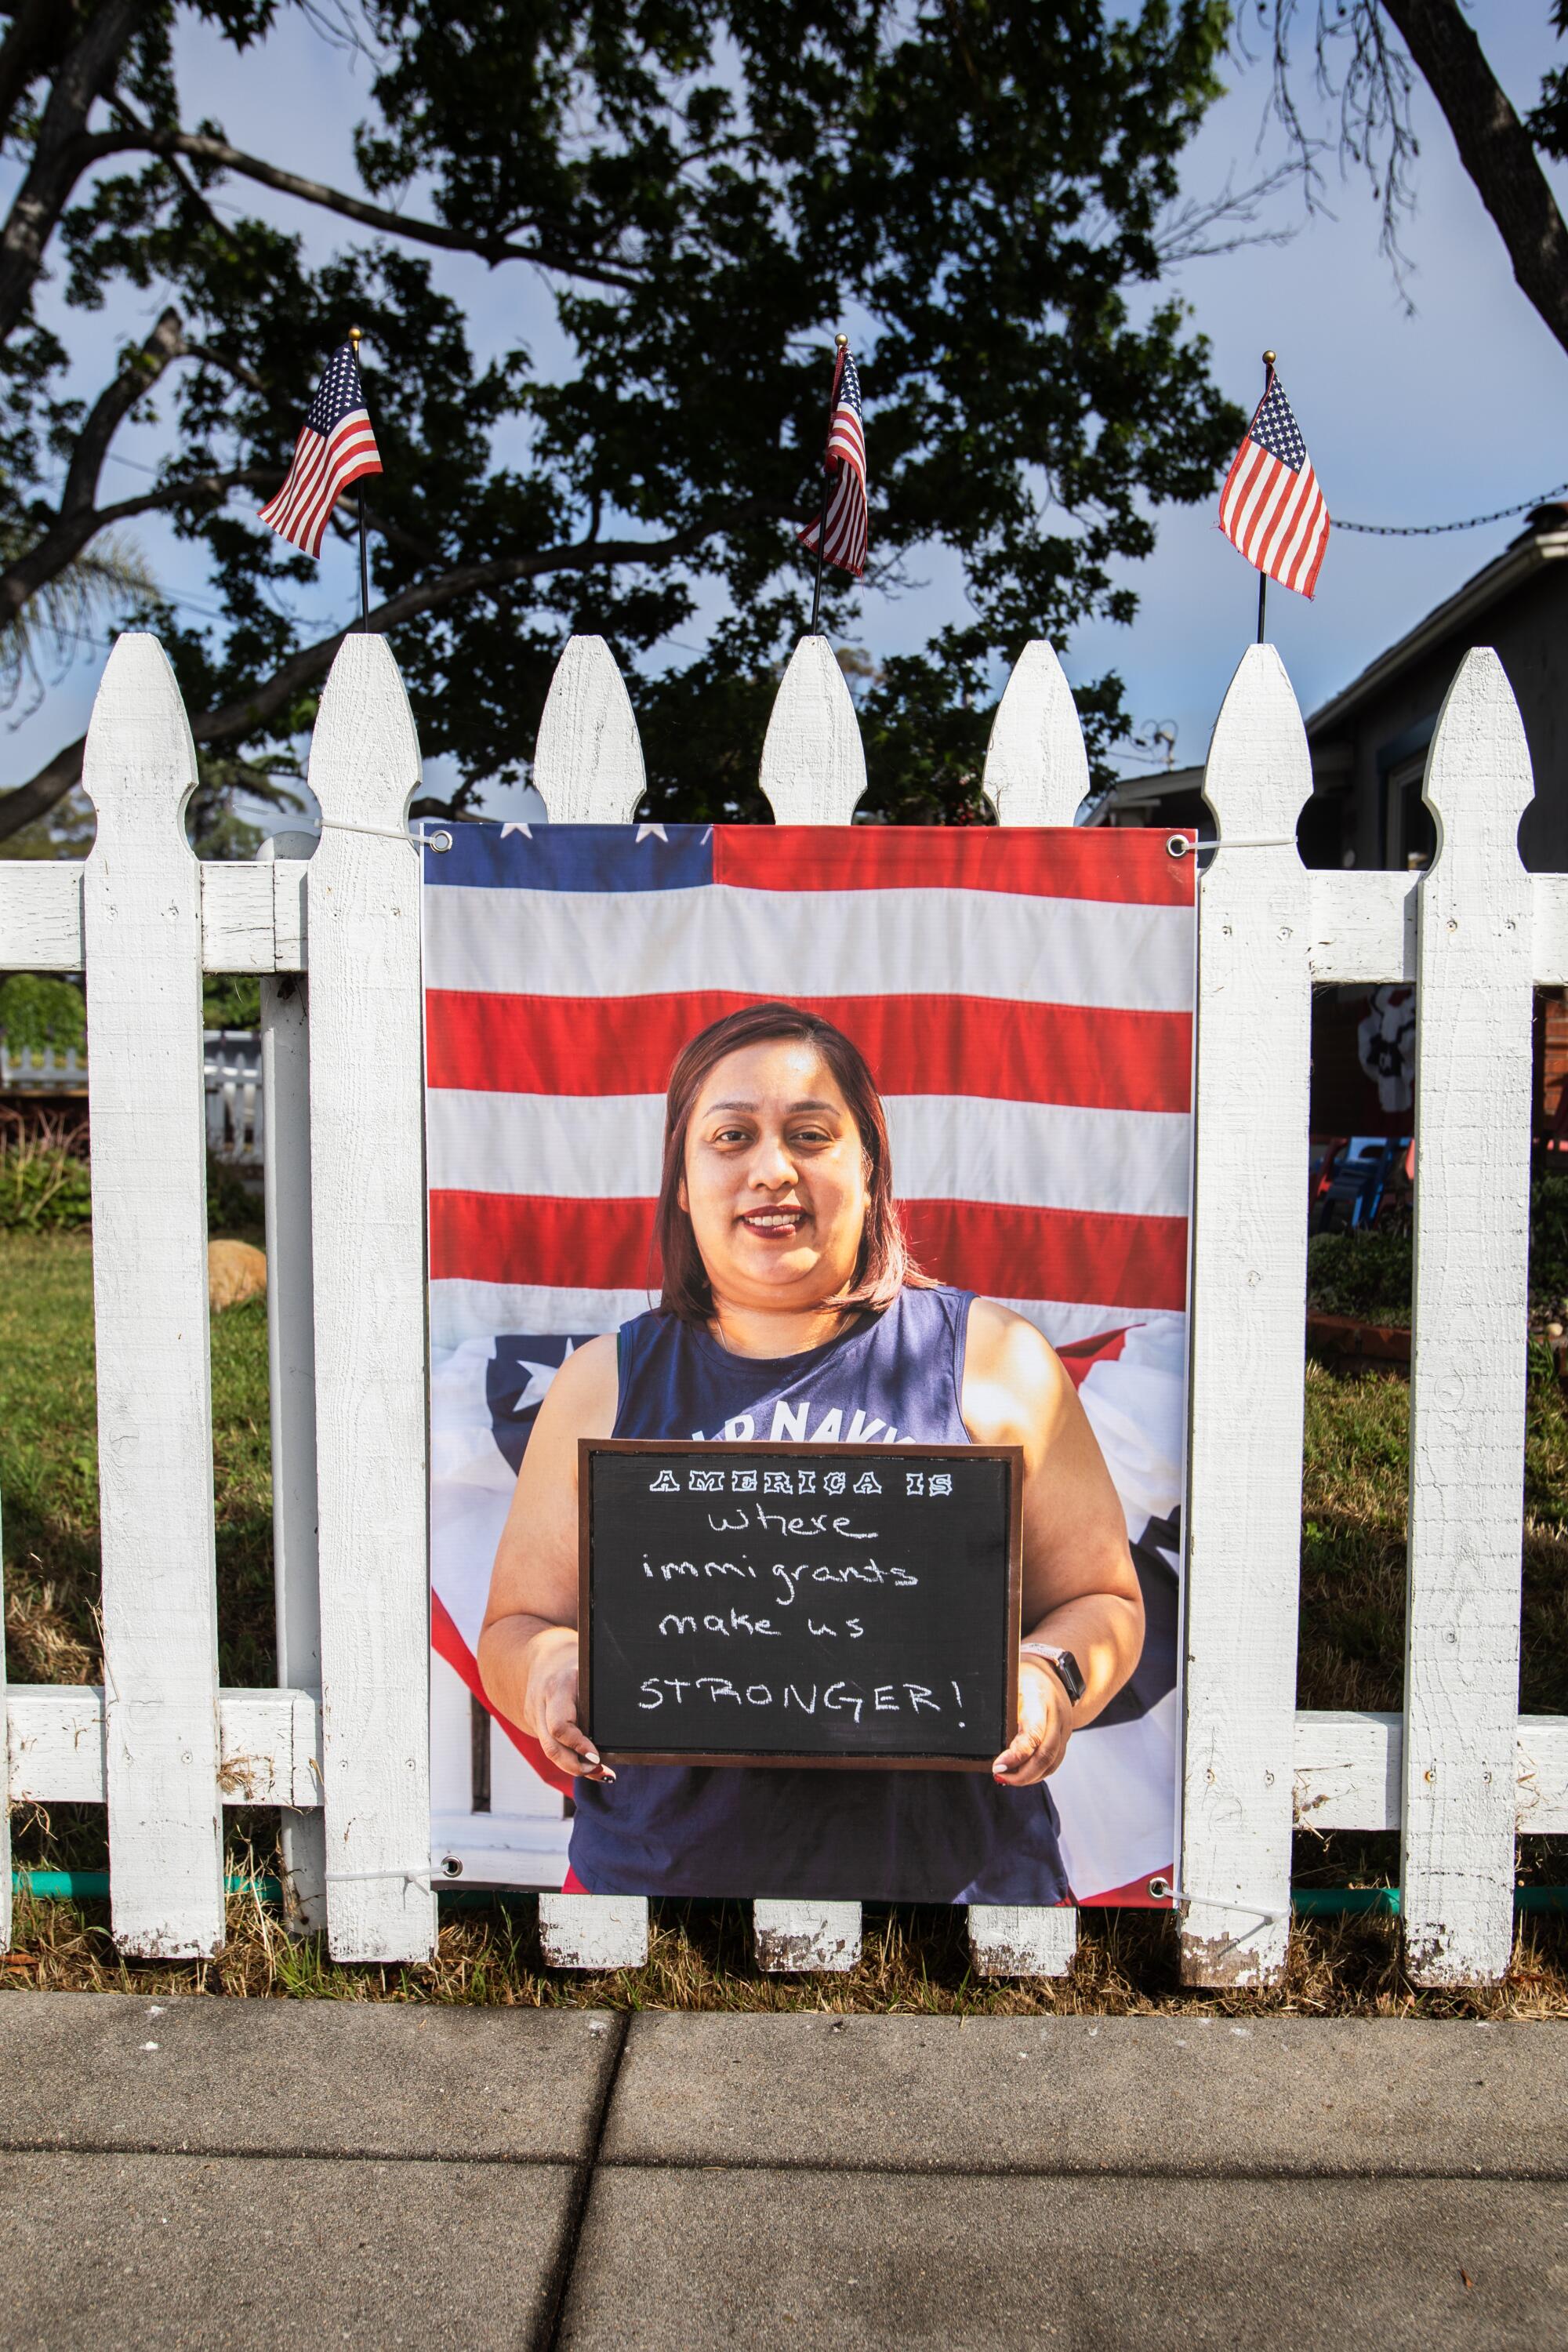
pixel 342 1743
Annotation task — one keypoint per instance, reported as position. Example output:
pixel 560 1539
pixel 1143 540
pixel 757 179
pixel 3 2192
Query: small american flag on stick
pixel 335 447
pixel 1271 507
pixel 840 533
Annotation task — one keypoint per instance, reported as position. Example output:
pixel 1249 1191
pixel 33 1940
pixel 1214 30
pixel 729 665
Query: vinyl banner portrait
pixel 1011 1013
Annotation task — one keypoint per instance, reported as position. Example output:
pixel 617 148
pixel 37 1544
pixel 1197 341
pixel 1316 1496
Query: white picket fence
pixel 343 1741
pixel 231 1075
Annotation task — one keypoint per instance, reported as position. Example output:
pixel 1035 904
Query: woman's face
pixel 775 1178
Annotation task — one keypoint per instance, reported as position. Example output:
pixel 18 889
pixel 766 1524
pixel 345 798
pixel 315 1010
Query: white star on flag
pixel 508 830
pixel 539 1378
pixel 643 829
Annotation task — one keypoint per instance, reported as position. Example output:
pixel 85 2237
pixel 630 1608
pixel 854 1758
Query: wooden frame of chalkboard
pixel 1006 1600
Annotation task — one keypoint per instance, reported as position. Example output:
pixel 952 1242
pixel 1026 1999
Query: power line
pixel 1433 530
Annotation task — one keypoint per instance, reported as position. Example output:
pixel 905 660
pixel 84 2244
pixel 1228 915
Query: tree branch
pixel 202 148
pixel 1495 149
pixel 61 150
pixel 77 517
pixel 248 712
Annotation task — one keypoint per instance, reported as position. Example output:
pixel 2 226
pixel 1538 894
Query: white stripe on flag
pixel 462 1310
pixel 945 1148
pixel 811 942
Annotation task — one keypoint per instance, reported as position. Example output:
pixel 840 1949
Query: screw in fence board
pixel 812 772
pixel 588 763
pixel 588 770
pixel 1037 773
pixel 813 766
pixel 292 1365
pixel 1249 1281
pixel 142 939
pixel 1474 944
pixel 367 1207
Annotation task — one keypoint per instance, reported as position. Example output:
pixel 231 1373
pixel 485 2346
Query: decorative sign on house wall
pixel 1012 1018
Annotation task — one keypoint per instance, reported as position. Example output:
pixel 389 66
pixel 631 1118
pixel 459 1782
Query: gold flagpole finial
pixel 1269 358
pixel 353 338
pixel 842 341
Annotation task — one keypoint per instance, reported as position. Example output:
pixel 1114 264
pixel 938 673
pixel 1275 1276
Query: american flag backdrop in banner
pixel 847 530
pixel 336 446
pixel 1025 1001
pixel 1271 507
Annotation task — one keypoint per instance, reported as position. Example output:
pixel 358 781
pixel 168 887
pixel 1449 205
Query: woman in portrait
pixel 786 1278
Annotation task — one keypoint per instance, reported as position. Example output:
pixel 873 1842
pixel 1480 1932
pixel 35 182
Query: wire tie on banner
pixel 1178 845
pixel 364 1877
pixel 381 831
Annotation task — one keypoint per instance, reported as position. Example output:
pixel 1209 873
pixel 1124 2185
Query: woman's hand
pixel 549 1705
pixel 1044 1727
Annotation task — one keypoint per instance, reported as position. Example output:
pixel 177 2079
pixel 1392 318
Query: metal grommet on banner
pixel 452 1866
pixel 440 841
pixel 1158 1889
pixel 1177 844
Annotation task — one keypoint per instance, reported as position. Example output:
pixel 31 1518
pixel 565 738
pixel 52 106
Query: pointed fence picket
pixel 141 940
pixel 1037 773
pixel 588 770
pixel 367 1247
pixel 1473 950
pixel 342 1743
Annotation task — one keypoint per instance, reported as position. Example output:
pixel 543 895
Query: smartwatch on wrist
pixel 1065 1665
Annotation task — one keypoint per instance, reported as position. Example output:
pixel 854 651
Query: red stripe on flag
pixel 1007 1251
pixel 1079 1357
pixel 1131 867
pixel 1099 1058
pixel 1004 1250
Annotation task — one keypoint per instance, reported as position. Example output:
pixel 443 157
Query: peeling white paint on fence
pixel 1037 773
pixel 367 1211
pixel 813 769
pixel 588 765
pixel 344 1744
pixel 143 947
pixel 1474 943
pixel 1248 1321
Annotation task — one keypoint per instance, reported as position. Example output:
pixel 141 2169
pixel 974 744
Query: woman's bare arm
pixel 527 1648
pixel 1081 1589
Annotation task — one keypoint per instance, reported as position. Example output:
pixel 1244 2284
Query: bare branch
pixel 1495 149
pixel 1187 231
pixel 250 712
pixel 76 518
pixel 62 150
pixel 493 249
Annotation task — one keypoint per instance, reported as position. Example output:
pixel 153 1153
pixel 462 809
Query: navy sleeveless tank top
pixel 925 1837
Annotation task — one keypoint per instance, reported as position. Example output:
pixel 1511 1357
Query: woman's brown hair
pixel 883 1264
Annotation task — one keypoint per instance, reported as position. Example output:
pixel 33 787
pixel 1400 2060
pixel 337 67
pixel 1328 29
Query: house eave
pixel 1511 568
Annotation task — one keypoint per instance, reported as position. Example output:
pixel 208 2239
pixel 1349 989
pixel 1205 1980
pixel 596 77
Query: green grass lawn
pixel 48 1469
pixel 1352 1655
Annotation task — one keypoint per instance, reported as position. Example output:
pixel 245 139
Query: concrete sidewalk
pixel 194 2172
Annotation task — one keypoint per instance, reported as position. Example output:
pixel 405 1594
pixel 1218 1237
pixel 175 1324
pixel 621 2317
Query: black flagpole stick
pixel 359 493
pixel 1268 358
pixel 840 346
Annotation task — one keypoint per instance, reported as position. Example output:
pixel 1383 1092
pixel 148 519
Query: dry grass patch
pixel 914 1961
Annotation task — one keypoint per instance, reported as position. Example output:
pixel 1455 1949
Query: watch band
pixel 1067 1670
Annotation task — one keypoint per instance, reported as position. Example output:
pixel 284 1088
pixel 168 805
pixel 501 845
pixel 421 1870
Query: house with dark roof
pixel 1369 741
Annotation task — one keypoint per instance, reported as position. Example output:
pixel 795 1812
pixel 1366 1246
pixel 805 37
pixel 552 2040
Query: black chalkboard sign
pixel 792 1604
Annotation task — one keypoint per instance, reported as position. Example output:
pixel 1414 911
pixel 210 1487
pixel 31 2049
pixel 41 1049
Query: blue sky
pixel 1410 419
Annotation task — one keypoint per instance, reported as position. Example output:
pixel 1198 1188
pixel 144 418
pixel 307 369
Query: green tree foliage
pixel 36 1013
pixel 982 189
